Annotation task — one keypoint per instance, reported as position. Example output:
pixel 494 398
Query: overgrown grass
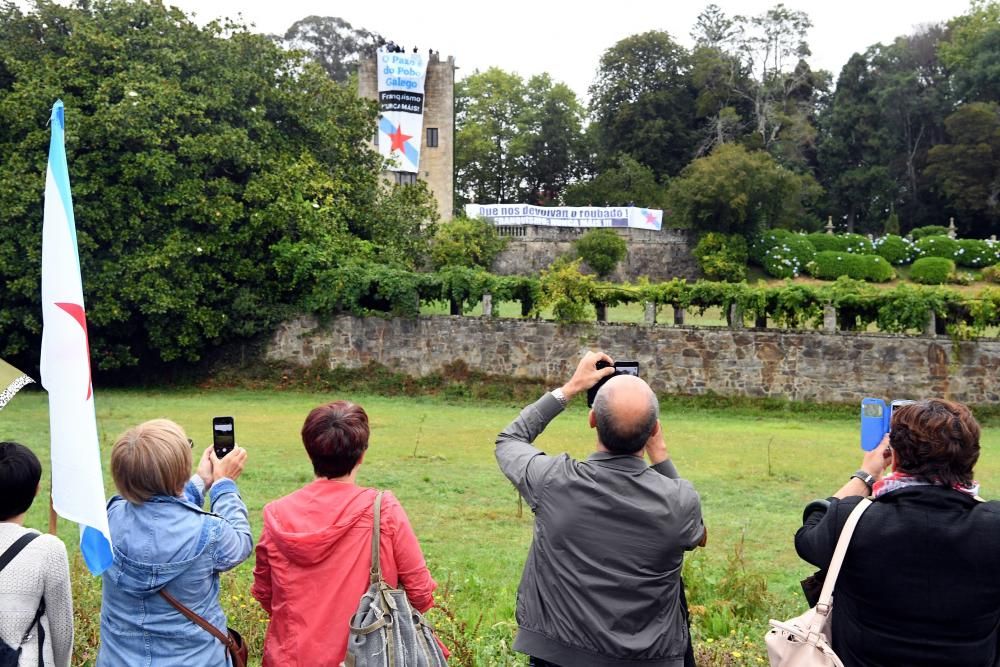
pixel 755 465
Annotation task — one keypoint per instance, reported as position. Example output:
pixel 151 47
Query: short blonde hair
pixel 153 458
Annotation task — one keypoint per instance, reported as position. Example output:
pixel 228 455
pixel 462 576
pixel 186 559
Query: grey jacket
pixel 601 585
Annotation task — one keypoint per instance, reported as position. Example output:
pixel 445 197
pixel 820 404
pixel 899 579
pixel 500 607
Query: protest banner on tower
pixel 401 107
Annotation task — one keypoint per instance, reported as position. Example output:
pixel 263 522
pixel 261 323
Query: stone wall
pixel 812 366
pixel 658 255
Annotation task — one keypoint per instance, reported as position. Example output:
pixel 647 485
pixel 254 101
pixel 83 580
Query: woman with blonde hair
pixel 163 540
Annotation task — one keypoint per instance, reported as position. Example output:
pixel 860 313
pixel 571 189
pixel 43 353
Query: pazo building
pixel 437 137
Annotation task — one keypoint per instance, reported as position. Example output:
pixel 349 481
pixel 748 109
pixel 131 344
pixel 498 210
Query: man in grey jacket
pixel 601 586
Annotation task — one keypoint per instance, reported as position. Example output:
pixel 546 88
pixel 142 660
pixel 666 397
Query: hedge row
pixel 364 290
pixel 786 254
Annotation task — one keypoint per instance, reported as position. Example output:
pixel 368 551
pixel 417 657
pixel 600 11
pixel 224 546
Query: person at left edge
pixel 162 538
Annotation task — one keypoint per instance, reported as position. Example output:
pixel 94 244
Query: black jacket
pixel 920 583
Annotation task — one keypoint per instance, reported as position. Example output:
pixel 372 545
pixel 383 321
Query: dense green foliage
pixel 930 230
pixel 789 258
pixel 832 264
pixel 895 249
pixel 516 140
pixel 975 253
pixel 214 176
pixel 466 242
pixel 737 191
pixel 601 250
pixel 932 270
pixel 722 257
pixel 936 246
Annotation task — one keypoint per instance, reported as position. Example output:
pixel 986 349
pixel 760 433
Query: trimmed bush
pixel 895 249
pixel 992 273
pixel 930 230
pixel 974 253
pixel 936 246
pixel 789 258
pixel 858 244
pixel 832 264
pixel 766 240
pixel 823 242
pixel 722 257
pixel 932 270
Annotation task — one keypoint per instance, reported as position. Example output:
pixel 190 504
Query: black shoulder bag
pixel 10 656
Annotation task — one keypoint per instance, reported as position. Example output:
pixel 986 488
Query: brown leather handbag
pixel 235 646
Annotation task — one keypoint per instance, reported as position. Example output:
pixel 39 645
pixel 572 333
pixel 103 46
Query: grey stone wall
pixel 813 366
pixel 657 255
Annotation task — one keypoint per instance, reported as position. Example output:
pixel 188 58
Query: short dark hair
pixel 619 438
pixel 936 440
pixel 20 471
pixel 335 436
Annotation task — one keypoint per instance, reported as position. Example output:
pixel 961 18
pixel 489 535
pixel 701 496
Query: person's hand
pixel 877 460
pixel 230 465
pixel 656 447
pixel 205 468
pixel 587 374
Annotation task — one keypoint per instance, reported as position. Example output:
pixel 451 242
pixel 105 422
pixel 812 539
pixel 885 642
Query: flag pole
pixel 53 517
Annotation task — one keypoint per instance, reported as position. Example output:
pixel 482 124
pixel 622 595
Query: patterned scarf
pixel 900 480
pixel 11 380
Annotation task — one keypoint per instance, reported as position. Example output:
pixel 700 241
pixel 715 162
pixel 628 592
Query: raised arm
pixel 235 540
pixel 696 533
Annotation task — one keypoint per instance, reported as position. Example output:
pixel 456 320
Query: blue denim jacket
pixel 170 543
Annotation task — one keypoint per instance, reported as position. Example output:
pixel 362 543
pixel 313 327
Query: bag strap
pixel 376 573
pixel 226 639
pixel 826 595
pixel 14 549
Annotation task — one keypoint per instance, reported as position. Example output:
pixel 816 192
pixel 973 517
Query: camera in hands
pixel 621 368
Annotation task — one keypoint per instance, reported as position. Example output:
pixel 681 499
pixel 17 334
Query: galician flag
pixel 77 481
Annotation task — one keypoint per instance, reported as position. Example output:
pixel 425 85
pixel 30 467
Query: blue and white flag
pixel 401 103
pixel 77 481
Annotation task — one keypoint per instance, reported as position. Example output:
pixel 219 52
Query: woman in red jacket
pixel 314 555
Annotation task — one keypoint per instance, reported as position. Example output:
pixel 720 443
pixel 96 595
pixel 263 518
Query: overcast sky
pixel 566 39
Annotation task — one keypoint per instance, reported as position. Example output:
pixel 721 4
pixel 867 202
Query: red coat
pixel 313 564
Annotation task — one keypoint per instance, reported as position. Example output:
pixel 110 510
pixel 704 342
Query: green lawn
pixel 754 474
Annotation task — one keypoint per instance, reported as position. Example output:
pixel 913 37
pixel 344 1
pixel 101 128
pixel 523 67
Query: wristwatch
pixel 865 477
pixel 560 396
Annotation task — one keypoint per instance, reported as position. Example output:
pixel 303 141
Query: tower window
pixel 432 137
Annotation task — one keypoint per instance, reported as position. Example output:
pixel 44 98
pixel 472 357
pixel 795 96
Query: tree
pixel 601 250
pixel 549 140
pixel 333 43
pixel 516 141
pixel 971 51
pixel 487 108
pixel 213 175
pixel 643 103
pixel 850 150
pixel 627 183
pixel 737 191
pixel 470 242
pixel 967 169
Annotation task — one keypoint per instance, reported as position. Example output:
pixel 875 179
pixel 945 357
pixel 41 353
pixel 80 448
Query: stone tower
pixel 437 151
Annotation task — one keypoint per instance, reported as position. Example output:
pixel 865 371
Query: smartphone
pixel 223 435
pixel 876 418
pixel 621 368
pixel 874 422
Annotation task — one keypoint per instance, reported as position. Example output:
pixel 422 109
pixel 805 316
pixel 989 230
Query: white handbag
pixel 804 641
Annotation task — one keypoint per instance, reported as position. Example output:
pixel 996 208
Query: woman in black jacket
pixel 920 583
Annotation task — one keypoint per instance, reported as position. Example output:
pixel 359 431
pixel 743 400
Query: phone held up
pixel 621 368
pixel 223 435
pixel 875 420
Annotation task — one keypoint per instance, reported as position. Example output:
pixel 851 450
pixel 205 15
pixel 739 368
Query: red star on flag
pixel 399 139
pixel 650 218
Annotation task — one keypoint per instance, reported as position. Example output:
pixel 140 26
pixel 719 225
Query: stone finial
pixel 829 224
pixel 951 228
